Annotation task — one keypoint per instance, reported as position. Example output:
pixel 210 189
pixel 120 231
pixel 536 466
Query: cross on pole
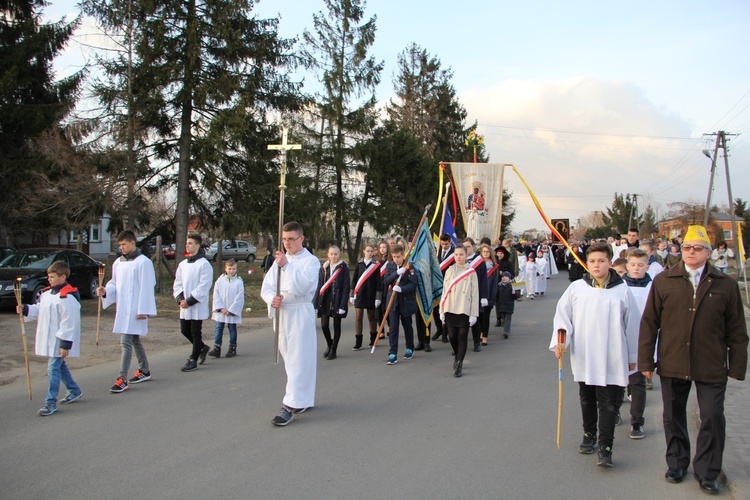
pixel 283 147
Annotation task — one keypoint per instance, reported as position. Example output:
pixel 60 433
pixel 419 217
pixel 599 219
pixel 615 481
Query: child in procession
pixel 228 301
pixel 192 285
pixel 600 316
pixel 403 282
pixel 58 334
pixel 531 275
pixel 131 289
pixel 366 294
pixel 330 299
pixel 639 281
pixel 459 306
pixel 506 298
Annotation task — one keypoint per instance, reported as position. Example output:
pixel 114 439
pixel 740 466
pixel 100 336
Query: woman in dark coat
pixel 331 298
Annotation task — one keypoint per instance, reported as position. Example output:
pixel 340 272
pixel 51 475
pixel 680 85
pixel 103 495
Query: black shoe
pixel 497 324
pixel 477 347
pixel 202 355
pixel 327 351
pixel 427 347
pixel 215 352
pixel 675 475
pixel 190 365
pixel 437 335
pixel 588 445
pixel 232 352
pixel 605 457
pixel 505 335
pixel 710 486
pixel 445 339
pixel 419 346
pixel 458 371
pixel 283 418
pixel 358 343
pixel 331 355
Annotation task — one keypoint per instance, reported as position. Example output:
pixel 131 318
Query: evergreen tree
pixel 207 74
pixel 338 49
pixel 619 214
pixel 33 107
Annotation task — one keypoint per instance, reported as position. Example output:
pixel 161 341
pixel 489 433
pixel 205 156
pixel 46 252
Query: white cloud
pixel 578 141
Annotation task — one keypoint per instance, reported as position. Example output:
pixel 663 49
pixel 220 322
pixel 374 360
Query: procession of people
pixel 650 332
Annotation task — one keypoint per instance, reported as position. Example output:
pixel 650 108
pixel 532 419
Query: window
pixel 727 235
pixel 96 233
pixel 242 244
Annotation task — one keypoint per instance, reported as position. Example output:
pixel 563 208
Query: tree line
pixel 187 99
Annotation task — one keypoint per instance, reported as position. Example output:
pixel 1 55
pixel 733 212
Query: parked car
pixel 5 251
pixel 169 251
pixel 31 266
pixel 237 250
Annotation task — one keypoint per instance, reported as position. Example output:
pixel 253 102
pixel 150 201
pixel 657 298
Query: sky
pixel 585 98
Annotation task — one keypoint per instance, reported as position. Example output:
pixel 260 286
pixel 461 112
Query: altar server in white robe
pixel 297 333
pixel 542 270
pixel 192 290
pixel 601 319
pixel 131 289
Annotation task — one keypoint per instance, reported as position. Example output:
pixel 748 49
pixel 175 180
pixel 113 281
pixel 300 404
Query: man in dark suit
pixel 695 313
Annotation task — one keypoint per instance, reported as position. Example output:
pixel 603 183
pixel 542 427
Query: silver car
pixel 236 249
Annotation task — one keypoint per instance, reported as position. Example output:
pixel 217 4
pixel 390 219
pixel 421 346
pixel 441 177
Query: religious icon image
pixel 476 201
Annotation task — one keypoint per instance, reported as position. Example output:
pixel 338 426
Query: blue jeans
pixel 406 322
pixel 58 370
pixel 220 333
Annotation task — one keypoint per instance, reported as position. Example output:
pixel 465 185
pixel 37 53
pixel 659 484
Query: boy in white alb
pixel 601 320
pixel 228 301
pixel 132 290
pixel 191 289
pixel 58 334
pixel 639 281
pixel 297 332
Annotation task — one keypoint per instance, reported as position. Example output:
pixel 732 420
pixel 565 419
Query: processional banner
pixel 480 191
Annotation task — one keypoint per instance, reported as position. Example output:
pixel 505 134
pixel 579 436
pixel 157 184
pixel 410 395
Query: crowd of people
pixel 638 307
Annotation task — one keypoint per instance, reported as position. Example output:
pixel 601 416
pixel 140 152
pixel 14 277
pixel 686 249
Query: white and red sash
pixel 448 262
pixel 383 269
pixel 455 281
pixel 477 262
pixel 368 272
pixel 489 273
pixel 330 281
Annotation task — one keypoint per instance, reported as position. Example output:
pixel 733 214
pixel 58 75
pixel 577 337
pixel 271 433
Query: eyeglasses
pixel 697 248
pixel 289 240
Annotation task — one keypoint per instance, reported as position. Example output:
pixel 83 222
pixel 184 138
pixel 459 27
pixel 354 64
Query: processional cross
pixel 283 147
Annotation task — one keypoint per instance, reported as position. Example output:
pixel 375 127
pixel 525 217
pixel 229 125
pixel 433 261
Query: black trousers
pixel 423 331
pixel 436 320
pixel 325 326
pixel 709 447
pixel 484 320
pixel 192 329
pixel 637 391
pixel 600 404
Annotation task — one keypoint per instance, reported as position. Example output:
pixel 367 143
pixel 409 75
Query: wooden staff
pixel 99 306
pixel 17 291
pixel 560 351
pixel 398 281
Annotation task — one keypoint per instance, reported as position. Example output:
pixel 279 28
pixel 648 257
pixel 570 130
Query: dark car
pixel 31 266
pixel 5 251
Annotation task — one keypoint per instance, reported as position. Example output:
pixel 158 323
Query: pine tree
pixel 208 73
pixel 338 49
pixel 33 107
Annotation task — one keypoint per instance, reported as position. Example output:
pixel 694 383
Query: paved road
pixel 404 431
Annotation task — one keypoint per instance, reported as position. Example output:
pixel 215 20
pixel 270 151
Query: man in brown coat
pixel 695 313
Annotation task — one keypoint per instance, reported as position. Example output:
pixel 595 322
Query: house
pixel 673 228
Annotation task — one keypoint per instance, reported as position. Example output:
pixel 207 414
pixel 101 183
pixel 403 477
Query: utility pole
pixel 633 206
pixel 721 142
